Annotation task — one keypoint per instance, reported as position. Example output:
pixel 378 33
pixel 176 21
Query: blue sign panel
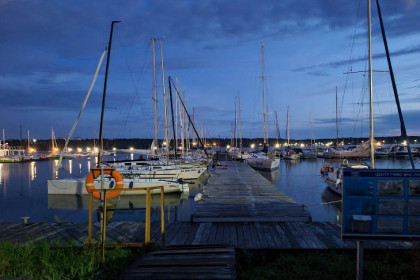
pixel 381 204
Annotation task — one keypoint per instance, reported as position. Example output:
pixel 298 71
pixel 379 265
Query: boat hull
pixel 266 164
pixel 77 186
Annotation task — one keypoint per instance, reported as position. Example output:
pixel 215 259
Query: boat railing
pixel 147 217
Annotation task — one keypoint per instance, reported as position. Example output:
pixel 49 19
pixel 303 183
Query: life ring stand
pixel 95 173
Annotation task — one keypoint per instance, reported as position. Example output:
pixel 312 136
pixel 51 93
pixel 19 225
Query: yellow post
pixel 147 226
pixel 162 215
pixel 90 217
pixel 104 225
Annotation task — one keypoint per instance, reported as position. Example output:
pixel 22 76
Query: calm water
pixel 23 192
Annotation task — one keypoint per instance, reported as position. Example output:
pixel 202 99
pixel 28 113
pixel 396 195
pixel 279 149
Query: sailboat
pixel 263 160
pixel 10 154
pixel 54 152
pixel 111 177
pixel 334 178
pixel 291 154
pixel 361 151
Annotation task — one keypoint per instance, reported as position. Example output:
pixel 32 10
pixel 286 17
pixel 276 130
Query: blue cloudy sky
pixel 49 51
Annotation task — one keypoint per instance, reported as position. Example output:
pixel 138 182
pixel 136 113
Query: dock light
pixel 228 146
pixel 259 144
pixel 252 146
pixel 302 145
pixel 69 149
pixel 34 140
pixel 194 143
pixel 87 149
pixel 415 141
pixel 214 143
pixel 404 142
pixel 114 149
pixel 131 148
pixel 79 150
pixel 277 146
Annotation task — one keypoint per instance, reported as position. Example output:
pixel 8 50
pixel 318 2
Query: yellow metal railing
pixel 147 218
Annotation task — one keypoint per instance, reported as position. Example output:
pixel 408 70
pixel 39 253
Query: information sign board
pixel 381 204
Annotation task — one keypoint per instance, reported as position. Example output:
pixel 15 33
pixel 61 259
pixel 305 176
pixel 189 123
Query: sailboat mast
pixel 236 116
pixel 277 128
pixel 336 116
pixel 287 126
pixel 172 115
pixel 154 93
pixel 372 144
pixel 164 103
pixel 310 122
pixel 263 92
pixel 101 147
pixel 181 124
pixel 394 87
pixel 239 119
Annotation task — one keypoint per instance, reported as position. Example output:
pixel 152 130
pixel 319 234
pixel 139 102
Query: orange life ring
pixel 93 174
pixel 327 168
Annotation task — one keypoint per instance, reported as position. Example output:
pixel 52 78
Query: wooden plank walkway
pixel 237 193
pixel 241 235
pixel 185 262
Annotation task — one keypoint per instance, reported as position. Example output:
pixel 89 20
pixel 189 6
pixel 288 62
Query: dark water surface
pixel 23 192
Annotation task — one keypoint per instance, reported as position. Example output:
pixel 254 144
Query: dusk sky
pixel 49 51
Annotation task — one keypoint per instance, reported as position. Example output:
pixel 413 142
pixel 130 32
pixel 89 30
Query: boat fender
pixel 131 184
pixel 197 197
pixel 111 184
pixel 93 174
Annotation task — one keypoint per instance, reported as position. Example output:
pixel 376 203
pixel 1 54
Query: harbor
pixel 255 215
pixel 166 158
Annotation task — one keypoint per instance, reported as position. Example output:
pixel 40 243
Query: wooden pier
pixel 239 209
pixel 237 193
pixel 240 235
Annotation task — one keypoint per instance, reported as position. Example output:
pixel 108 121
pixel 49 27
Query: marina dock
pixel 239 209
pixel 237 193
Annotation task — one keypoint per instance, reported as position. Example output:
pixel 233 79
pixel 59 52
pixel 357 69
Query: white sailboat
pixel 263 161
pixel 114 178
pixel 291 154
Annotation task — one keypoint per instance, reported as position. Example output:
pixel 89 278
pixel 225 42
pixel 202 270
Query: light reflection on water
pixel 23 192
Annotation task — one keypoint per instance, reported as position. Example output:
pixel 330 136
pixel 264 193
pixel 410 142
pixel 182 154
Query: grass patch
pixel 326 265
pixel 41 261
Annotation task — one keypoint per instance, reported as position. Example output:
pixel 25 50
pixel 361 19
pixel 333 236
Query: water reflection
pixel 178 206
pixel 32 170
pixel 70 166
pixel 331 199
pixel 23 192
